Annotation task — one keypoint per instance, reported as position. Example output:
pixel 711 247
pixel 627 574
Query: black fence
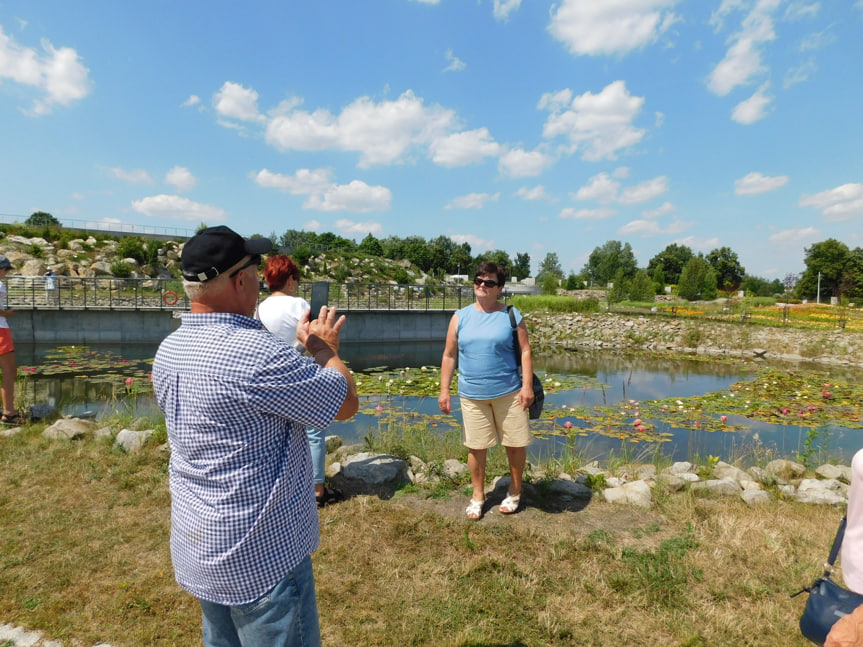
pixel 109 293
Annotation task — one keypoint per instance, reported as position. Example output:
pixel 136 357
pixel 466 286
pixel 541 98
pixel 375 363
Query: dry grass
pixel 84 556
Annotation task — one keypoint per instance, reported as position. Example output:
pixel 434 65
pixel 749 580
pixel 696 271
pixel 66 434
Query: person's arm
pixel 447 365
pixel 321 339
pixel 525 396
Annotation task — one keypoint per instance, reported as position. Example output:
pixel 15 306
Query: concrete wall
pixel 63 327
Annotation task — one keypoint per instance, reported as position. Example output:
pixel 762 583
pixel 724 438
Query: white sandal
pixel 474 510
pixel 510 504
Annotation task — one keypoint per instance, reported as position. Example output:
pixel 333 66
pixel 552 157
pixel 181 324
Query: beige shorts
pixel 489 422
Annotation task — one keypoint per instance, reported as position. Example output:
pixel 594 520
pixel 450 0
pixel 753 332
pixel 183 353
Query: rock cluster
pixel 359 472
pixel 667 334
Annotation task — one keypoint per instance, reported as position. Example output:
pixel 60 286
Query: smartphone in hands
pixel 320 297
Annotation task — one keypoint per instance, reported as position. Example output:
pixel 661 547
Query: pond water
pixel 91 382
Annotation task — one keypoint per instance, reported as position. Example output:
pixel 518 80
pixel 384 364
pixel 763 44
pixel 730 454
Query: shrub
pixel 121 270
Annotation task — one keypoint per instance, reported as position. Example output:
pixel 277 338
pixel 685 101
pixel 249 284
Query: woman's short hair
pixel 492 268
pixel 278 269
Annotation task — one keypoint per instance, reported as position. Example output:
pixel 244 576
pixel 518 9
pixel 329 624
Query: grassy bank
pixel 84 556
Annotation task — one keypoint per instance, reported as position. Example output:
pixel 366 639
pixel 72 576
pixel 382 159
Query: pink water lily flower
pixel 567 424
pixel 129 381
pixel 724 419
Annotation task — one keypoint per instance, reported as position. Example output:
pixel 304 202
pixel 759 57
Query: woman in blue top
pixel 494 397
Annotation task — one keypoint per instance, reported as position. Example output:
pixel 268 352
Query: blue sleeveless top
pixel 486 358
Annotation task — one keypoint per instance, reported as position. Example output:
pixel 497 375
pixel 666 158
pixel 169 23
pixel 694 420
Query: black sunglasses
pixel 486 282
pixel 254 260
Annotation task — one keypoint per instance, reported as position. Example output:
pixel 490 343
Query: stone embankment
pixel 665 333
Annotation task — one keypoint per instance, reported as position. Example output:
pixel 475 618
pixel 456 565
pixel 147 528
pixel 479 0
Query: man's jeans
pixel 287 616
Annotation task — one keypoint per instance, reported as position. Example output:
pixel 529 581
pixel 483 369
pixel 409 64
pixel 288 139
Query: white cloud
pixel 602 123
pixel 460 149
pixel 757 183
pixel 323 194
pixel 586 214
pixel 502 8
pixel 57 73
pixel 382 132
pixel 698 244
pixel 303 182
pixel 356 196
pixel 181 178
pixel 472 201
pixel 842 203
pixel 661 210
pixel 752 109
pixel 475 242
pixel 591 28
pixel 233 101
pixel 795 236
pixel 174 207
pixel 800 10
pixel 600 188
pixel 644 191
pixel 137 176
pixel 818 40
pixel 521 163
pixel 621 172
pixel 742 61
pixel 799 74
pixel 193 100
pixel 351 228
pixel 605 190
pixel 312 225
pixel 536 193
pixel 649 228
pixel 454 63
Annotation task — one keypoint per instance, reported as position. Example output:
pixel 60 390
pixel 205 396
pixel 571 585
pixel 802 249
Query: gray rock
pixel 837 472
pixel 131 441
pixel 69 429
pixel 717 487
pixel 785 469
pixel 375 469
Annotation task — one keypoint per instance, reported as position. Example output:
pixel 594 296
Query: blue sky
pixel 522 125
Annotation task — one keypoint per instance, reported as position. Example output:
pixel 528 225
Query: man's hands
pixel 322 333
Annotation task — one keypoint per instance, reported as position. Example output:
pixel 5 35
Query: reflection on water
pixel 620 378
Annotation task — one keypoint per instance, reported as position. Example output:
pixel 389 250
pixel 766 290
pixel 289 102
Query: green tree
pixel 42 219
pixel 729 272
pixel 550 283
pixel 497 256
pixel 828 259
pixel 671 260
pixel 709 289
pixel 549 266
pixel 461 260
pixel 573 282
pixel 619 290
pixel 641 287
pixel 371 246
pixel 658 278
pixel 521 266
pixel 692 278
pixel 604 261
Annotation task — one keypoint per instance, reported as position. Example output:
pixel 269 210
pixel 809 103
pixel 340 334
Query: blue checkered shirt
pixel 236 401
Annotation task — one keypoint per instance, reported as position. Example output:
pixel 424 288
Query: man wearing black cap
pixel 237 401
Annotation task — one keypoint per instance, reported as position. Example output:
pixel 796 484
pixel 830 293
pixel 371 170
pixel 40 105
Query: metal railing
pixel 109 293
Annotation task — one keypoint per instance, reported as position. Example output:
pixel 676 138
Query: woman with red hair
pixel 280 313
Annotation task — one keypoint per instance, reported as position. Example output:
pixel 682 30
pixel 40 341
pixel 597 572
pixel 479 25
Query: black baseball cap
pixel 216 249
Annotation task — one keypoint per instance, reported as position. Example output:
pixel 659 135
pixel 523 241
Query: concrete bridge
pixel 93 311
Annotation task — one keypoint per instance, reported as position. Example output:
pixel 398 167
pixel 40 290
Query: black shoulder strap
pixel 516 346
pixel 837 544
